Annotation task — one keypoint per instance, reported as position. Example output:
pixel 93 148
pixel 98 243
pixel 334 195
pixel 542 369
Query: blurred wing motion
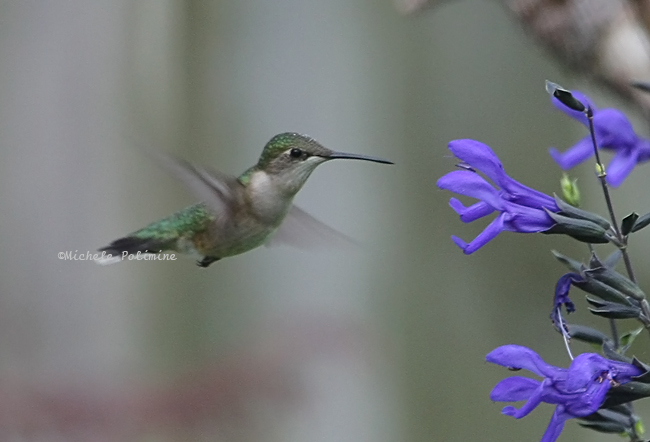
pixel 213 188
pixel 219 193
pixel 301 230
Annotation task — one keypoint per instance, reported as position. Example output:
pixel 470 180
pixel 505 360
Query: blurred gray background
pixel 384 343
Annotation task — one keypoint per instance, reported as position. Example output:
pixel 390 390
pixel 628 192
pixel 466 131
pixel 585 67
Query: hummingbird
pixel 237 214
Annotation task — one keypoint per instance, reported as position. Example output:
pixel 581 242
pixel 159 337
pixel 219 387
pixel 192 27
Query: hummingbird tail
pixel 130 245
pixel 177 230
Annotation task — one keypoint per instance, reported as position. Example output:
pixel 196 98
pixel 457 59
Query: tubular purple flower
pixel 613 132
pixel 577 391
pixel 562 298
pixel 562 291
pixel 521 208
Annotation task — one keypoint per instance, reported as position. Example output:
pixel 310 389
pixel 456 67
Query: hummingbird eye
pixel 295 152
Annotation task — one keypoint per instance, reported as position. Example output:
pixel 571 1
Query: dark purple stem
pixel 622 242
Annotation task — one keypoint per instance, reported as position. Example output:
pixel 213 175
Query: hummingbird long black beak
pixel 352 156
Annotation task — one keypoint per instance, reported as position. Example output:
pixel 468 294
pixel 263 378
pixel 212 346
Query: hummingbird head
pixel 290 158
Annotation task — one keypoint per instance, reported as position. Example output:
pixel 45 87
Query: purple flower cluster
pixel 580 390
pixel 577 391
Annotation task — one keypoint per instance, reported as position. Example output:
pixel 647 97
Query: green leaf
pixel 607 421
pixel 572 264
pixel 641 222
pixel 604 427
pixel 576 213
pixel 628 338
pixel 617 419
pixel 629 392
pixel 613 311
pixel 577 228
pixel 564 96
pixel 587 334
pixel 602 290
pixel 614 279
pixel 628 223
pixel 610 353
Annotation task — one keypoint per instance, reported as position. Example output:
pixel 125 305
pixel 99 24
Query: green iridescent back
pixel 191 219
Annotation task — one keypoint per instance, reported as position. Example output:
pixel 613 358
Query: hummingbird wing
pixel 300 229
pixel 213 188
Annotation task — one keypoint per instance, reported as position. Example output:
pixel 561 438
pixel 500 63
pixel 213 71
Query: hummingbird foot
pixel 205 262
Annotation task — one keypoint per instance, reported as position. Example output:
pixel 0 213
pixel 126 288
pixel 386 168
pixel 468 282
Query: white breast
pixel 266 199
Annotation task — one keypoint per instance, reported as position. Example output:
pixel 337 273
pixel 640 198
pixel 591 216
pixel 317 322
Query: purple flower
pixel 577 391
pixel 562 298
pixel 562 291
pixel 613 132
pixel 521 208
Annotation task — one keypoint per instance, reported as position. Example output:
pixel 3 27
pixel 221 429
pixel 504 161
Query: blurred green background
pixel 384 343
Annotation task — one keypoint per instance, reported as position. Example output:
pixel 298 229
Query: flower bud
pixel 570 190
